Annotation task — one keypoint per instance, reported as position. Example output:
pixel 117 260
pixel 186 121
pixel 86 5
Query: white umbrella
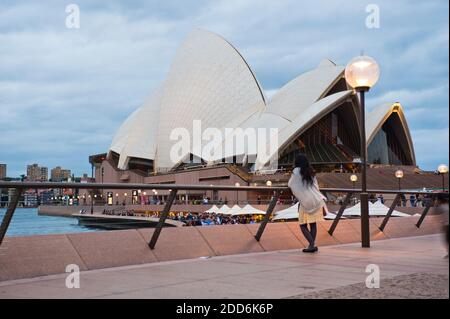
pixel 377 209
pixel 213 209
pixel 224 210
pixel 290 213
pixel 286 215
pixel 235 210
pixel 250 210
pixel 292 209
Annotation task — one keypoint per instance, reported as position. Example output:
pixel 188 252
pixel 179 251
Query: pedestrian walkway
pixel 279 274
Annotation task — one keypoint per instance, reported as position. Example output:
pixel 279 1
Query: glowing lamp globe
pixel 399 173
pixel 269 183
pixel 443 169
pixel 362 72
pixel 353 178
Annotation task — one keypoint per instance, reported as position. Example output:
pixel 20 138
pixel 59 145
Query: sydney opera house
pixel 209 81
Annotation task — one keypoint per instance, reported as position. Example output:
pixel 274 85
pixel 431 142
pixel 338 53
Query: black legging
pixel 311 234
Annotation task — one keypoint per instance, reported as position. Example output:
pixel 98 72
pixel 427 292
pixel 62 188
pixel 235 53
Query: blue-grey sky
pixel 64 92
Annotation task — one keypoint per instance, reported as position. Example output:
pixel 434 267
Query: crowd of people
pixel 121 212
pixel 415 200
pixel 190 219
pixel 208 219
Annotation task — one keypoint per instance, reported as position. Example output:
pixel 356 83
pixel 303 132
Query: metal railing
pixel 19 187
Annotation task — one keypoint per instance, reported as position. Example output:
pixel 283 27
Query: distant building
pixel 59 174
pixel 2 171
pixel 30 198
pixel 36 173
pixel 46 197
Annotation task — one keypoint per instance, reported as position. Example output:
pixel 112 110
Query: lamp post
pixel 269 184
pixel 353 179
pixel 361 73
pixel 399 176
pixel 103 174
pixel 443 169
pixel 237 193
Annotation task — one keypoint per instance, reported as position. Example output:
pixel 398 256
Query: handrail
pixel 173 188
pixel 42 185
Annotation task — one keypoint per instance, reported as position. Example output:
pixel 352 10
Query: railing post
pixel 9 213
pixel 162 218
pixel 266 218
pixel 425 211
pixel 339 214
pixel 389 213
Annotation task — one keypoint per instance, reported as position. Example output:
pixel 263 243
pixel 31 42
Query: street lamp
pixel 361 73
pixel 443 169
pixel 353 179
pixel 237 193
pixel 92 203
pixel 399 175
pixel 269 184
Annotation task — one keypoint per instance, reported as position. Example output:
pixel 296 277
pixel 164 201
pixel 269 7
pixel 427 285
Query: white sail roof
pixel 299 94
pixel 379 115
pixel 211 82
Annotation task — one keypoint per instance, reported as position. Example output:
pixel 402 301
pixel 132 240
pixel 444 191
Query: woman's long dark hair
pixel 306 170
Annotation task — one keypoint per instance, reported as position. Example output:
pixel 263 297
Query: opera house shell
pixel 315 113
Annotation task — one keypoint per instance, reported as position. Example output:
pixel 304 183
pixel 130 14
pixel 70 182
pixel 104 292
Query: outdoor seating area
pixel 119 212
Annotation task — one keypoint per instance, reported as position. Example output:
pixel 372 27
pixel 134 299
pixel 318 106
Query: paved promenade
pixel 280 274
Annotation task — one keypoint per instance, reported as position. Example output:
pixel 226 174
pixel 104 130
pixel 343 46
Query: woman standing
pixel 305 188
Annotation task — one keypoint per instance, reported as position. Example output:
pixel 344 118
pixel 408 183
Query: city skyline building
pixel 3 171
pixel 59 174
pixel 36 173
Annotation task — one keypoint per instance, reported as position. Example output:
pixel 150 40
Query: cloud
pixel 431 147
pixel 64 92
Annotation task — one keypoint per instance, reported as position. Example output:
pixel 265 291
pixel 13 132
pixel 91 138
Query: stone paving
pixel 278 274
pixel 413 286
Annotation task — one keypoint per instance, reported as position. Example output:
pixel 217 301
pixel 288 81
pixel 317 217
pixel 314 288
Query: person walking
pixel 305 188
pixel 442 209
pixel 412 200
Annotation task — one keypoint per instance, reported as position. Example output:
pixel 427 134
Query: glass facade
pixel 389 146
pixel 332 139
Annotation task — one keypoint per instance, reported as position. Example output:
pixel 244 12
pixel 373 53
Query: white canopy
pixel 224 210
pixel 292 213
pixel 377 209
pixel 250 210
pixel 292 210
pixel 235 210
pixel 213 209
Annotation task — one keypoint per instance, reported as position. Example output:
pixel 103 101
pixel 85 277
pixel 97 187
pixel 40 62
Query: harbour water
pixel 26 221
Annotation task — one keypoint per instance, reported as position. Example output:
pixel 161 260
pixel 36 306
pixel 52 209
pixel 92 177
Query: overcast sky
pixel 64 92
